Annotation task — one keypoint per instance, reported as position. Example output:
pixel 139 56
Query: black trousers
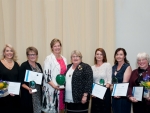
pixel 77 107
pixel 102 106
pixel 141 106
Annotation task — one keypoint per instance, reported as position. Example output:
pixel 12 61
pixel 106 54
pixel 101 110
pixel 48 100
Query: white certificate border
pixel 114 89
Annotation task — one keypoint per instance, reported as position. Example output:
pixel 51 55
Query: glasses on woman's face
pixel 75 56
pixel 141 60
pixel 31 55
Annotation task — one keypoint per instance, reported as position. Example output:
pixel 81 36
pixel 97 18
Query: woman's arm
pixel 108 75
pixel 127 74
pixel 88 81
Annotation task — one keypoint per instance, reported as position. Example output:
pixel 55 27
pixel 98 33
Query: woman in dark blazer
pixel 137 77
pixel 79 80
pixel 30 102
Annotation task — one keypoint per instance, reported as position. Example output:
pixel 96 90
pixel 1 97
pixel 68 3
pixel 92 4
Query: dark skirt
pixel 102 106
pixel 141 106
pixel 77 107
pixel 10 104
pixel 121 105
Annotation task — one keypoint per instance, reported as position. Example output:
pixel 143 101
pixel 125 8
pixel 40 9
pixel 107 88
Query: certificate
pixel 120 89
pixel 98 91
pixel 33 76
pixel 14 88
pixel 137 93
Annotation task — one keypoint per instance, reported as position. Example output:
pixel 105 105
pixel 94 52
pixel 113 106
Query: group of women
pixel 74 98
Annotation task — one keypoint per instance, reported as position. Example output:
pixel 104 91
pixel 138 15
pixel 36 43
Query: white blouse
pixel 102 72
pixel 68 87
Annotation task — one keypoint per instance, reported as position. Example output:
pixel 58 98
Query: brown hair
pixel 125 54
pixel 31 49
pixel 103 53
pixel 14 52
pixel 54 41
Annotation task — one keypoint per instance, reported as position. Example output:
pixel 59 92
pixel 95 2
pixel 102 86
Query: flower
pixel 146 82
pixel 80 67
pixel 3 84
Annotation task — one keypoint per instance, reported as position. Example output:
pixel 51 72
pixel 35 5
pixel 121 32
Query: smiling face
pixel 32 56
pixel 142 63
pixel 56 48
pixel 119 57
pixel 99 56
pixel 75 59
pixel 8 53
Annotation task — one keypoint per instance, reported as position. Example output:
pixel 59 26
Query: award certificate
pixel 98 90
pixel 33 76
pixel 120 89
pixel 14 88
pixel 137 93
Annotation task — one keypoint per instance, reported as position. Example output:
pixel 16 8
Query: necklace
pixel 8 64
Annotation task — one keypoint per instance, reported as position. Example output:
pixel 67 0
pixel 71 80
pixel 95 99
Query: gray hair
pixel 143 56
pixel 76 52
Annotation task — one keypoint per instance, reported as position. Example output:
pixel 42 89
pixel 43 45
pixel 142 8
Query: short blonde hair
pixel 53 42
pixel 76 52
pixel 14 52
pixel 143 56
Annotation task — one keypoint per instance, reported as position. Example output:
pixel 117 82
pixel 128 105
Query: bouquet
pixel 3 88
pixel 146 84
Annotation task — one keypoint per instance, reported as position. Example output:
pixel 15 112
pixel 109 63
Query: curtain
pixel 82 25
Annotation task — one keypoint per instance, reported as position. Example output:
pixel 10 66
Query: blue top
pixel 120 73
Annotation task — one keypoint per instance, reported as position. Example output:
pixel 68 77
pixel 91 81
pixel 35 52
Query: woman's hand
pixel 53 85
pixel 30 90
pixel 12 95
pixel 132 99
pixel 148 98
pixel 117 97
pixel 84 99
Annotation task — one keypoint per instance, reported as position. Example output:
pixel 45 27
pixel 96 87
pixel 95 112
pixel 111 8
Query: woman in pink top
pixel 54 64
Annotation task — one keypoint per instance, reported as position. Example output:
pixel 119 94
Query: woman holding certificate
pixel 54 64
pixel 9 71
pixel 142 73
pixel 79 80
pixel 102 72
pixel 121 73
pixel 30 101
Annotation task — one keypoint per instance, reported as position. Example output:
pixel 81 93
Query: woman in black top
pixel 30 102
pixel 9 71
pixel 79 80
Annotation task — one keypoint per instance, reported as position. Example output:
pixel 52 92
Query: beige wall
pixel 80 24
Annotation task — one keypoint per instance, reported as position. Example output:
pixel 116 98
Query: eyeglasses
pixel 141 60
pixel 31 54
pixel 75 56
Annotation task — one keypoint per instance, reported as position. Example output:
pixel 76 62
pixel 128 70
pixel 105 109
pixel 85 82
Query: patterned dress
pixel 52 100
pixel 36 97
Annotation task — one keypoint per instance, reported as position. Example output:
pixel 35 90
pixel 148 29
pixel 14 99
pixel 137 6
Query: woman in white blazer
pixel 54 64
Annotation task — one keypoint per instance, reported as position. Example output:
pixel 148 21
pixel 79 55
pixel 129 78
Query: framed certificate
pixel 33 76
pixel 98 90
pixel 120 89
pixel 137 92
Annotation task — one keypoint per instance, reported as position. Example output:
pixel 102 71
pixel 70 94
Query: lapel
pixel 55 63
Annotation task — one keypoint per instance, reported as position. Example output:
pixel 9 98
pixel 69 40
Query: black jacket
pixel 26 98
pixel 82 80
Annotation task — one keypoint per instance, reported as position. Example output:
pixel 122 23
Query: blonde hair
pixel 143 56
pixel 76 52
pixel 14 52
pixel 53 42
